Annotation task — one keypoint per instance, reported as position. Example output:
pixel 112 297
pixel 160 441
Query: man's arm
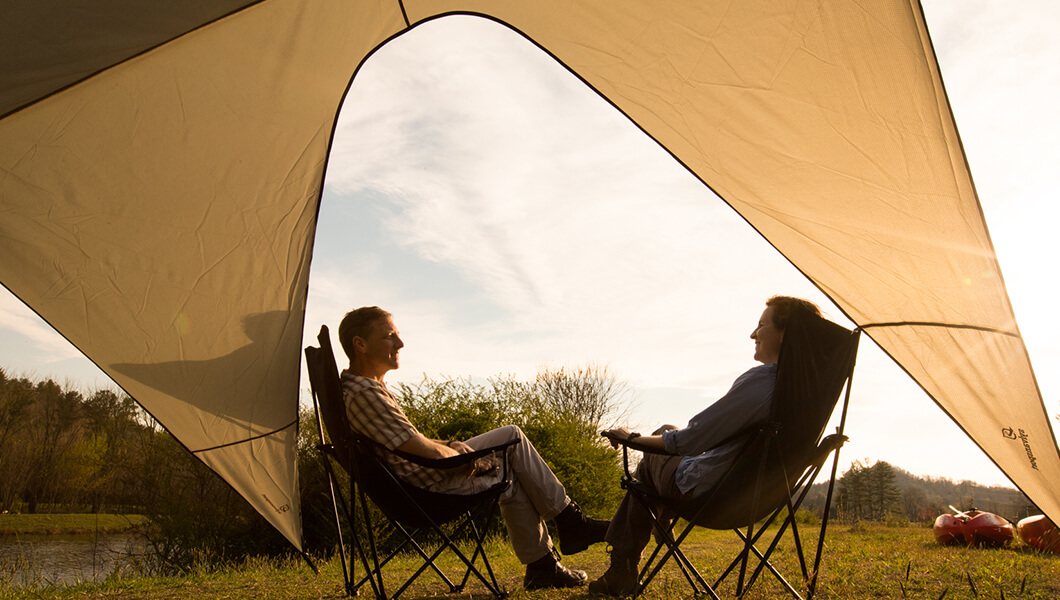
pixel 421 445
pixel 374 411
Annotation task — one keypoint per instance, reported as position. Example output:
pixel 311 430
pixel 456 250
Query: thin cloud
pixel 48 346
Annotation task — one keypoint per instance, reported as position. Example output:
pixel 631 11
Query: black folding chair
pixel 774 471
pixel 412 512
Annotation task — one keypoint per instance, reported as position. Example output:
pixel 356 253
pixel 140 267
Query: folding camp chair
pixel 774 470
pixel 412 512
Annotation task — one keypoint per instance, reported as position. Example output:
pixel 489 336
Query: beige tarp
pixel 161 167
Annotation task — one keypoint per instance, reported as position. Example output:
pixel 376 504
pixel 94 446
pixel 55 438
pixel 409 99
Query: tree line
pixel 60 448
pixel 63 450
pixel 880 492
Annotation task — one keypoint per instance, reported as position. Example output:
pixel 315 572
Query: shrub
pixel 560 412
pixel 197 519
pixel 896 520
pixel 807 517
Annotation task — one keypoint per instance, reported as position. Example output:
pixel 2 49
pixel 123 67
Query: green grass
pixel 44 524
pixel 867 562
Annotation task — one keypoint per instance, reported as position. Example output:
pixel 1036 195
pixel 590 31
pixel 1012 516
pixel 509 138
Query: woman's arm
pixel 651 441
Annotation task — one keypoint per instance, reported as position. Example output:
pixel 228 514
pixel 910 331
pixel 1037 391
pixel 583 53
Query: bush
pixel 807 517
pixel 896 520
pixel 197 519
pixel 560 412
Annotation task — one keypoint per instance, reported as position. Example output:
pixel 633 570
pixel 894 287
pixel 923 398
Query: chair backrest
pixel 816 360
pixel 361 457
pixel 324 379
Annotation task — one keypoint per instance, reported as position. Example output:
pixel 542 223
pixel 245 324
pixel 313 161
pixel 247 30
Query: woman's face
pixel 767 338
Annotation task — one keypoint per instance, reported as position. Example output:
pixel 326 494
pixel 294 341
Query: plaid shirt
pixel 374 412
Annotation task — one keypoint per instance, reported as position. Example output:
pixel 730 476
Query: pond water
pixel 41 560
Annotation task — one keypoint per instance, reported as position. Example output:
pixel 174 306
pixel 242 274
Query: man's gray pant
pixel 536 495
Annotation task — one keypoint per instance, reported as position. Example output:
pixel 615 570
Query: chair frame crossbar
pixel 408 539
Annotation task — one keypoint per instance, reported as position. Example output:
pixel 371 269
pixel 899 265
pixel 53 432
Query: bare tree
pixel 593 393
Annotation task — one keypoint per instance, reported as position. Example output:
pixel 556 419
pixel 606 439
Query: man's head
pixel 769 333
pixel 370 340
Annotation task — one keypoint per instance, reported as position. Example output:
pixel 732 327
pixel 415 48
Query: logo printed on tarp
pixel 1024 437
pixel 279 509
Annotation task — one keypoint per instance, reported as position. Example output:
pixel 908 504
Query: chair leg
pixel 374 573
pixel 348 560
pixel 673 550
pixel 428 563
pixel 764 563
pixel 480 540
pixel 744 557
pixel 812 585
pixel 798 547
pixel 479 536
pixel 448 543
pixel 763 560
pixel 347 577
pixel 790 520
pixel 683 564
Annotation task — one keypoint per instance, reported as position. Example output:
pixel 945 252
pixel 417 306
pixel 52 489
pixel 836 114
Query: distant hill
pixel 925 498
pixel 933 496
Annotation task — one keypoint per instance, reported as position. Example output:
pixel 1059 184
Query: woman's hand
pixel 621 433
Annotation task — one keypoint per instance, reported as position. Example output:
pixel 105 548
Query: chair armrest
pixel 453 461
pixel 829 444
pixel 833 442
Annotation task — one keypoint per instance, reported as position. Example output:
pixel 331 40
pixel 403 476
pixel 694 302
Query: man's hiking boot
pixel 578 531
pixel 547 572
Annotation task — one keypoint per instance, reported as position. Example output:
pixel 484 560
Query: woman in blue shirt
pixel 700 460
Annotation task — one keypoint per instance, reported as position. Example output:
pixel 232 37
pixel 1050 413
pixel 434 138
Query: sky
pixel 511 221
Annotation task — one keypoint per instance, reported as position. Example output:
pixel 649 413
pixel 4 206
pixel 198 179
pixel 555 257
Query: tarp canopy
pixel 162 164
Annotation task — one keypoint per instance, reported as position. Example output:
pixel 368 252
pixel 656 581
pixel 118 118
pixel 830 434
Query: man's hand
pixel 479 466
pixel 459 447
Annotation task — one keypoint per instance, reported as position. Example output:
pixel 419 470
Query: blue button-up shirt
pixel 746 403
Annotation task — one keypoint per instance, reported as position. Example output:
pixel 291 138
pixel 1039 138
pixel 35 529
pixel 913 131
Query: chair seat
pixel 438 507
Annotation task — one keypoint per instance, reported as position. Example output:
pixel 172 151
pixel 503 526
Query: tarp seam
pixel 107 67
pixel 251 439
pixel 944 325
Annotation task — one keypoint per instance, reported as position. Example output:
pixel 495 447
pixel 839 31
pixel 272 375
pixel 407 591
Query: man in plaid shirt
pixel 372 344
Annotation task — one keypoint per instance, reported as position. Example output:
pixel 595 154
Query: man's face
pixel 767 338
pixel 382 346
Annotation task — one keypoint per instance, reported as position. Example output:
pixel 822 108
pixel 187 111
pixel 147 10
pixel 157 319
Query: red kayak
pixel 1040 532
pixel 973 528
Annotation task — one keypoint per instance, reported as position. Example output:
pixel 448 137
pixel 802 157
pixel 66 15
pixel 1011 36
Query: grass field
pixel 38 524
pixel 866 562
